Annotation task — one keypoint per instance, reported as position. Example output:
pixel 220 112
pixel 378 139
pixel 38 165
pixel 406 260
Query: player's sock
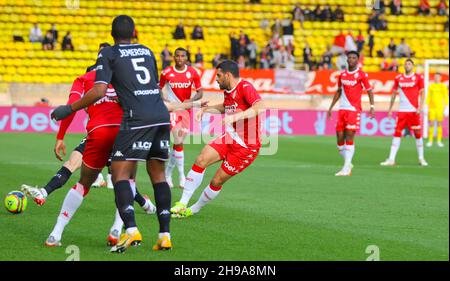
pixel 178 154
pixel 124 202
pixel 431 134
pixel 419 146
pixel 118 223
pixel 208 194
pixel 341 149
pixel 163 199
pixel 193 180
pixel 394 148
pixel 439 134
pixel 139 199
pixel 349 152
pixel 73 200
pixel 60 179
pixel 171 164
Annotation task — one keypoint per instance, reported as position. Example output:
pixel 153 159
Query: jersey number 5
pixel 146 78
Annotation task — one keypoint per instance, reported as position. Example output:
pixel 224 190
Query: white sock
pixel 162 234
pixel 207 195
pixel 171 164
pixel 133 187
pixel 341 149
pixel 70 205
pixel 118 223
pixel 394 148
pixel 419 146
pixel 349 152
pixel 179 159
pixel 193 181
pixel 149 205
pixel 130 230
pixel 100 177
pixel 109 180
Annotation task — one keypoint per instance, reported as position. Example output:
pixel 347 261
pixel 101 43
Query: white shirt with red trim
pixel 180 83
pixel 352 84
pixel 240 98
pixel 408 87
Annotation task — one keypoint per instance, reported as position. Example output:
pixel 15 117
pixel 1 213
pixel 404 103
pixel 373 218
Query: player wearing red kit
pixel 237 148
pixel 351 84
pixel 179 80
pixel 410 88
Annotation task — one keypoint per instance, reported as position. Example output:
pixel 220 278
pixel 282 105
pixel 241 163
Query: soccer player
pixel 351 84
pixel 179 80
pixel 237 148
pixel 437 101
pixel 144 131
pixel 409 86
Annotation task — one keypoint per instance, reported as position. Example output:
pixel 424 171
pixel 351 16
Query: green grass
pixel 284 207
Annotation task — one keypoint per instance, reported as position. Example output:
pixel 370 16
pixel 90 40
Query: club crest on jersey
pixel 356 75
pixel 142 145
pixel 414 78
pixel 188 74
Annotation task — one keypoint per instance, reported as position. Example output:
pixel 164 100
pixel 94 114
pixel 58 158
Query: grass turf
pixel 288 206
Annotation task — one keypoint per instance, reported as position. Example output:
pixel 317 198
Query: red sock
pixel 178 147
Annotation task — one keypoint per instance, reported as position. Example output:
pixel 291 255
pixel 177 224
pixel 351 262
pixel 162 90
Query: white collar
pixel 409 76
pixel 182 71
pixel 240 79
pixel 354 71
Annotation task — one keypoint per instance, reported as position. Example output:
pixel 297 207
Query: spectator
pixel 199 58
pixel 188 55
pixel 424 7
pixel 341 61
pixel 67 42
pixel 391 48
pixel 382 22
pixel 275 42
pixel 339 43
pixel 317 13
pixel 394 65
pixel 241 62
pixel 384 65
pixel 217 59
pixel 35 33
pixel 252 50
pixel 446 26
pixel 297 14
pixel 307 13
pixel 327 56
pixel 373 20
pixel 264 24
pixel 282 59
pixel 350 42
pixel 48 42
pixel 234 46
pixel 243 42
pixel 179 32
pixel 339 14
pixel 255 1
pixel 442 8
pixel 381 8
pixel 307 55
pixel 43 102
pixel 265 58
pixel 326 14
pixel 371 41
pixel 403 50
pixel 360 42
pixel 288 31
pixel 54 33
pixel 396 7
pixel 166 57
pixel 277 27
pixel 197 33
pixel 290 48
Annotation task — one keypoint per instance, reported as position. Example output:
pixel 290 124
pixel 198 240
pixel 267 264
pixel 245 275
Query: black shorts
pixel 142 144
pixel 81 146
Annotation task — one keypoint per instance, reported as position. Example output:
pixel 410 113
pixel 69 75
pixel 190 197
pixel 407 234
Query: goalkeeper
pixel 437 102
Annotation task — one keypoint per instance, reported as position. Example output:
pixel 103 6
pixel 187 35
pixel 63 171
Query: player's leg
pixel 400 125
pixel 100 181
pixel 40 195
pixel 208 156
pixel 431 122
pixel 349 152
pixel 439 119
pixel 109 183
pixel 340 133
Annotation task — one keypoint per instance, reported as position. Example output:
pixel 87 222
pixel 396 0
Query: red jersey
pixel 352 84
pixel 241 98
pixel 180 82
pixel 104 112
pixel 408 88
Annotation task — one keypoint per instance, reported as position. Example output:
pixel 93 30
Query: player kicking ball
pixel 410 87
pixel 351 83
pixel 179 80
pixel 237 148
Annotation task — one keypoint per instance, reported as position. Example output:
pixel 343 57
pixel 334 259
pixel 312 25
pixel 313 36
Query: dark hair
pixel 122 27
pixel 410 60
pixel 181 49
pixel 229 66
pixel 103 45
pixel 354 53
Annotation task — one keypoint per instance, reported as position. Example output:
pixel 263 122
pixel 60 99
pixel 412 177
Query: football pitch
pixel 288 206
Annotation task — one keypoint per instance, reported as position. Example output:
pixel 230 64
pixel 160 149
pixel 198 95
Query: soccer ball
pixel 15 202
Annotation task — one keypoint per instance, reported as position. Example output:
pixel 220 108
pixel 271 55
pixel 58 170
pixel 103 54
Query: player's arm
pixel 391 103
pixel 422 95
pixel 172 106
pixel 162 83
pixel 196 97
pixel 198 86
pixel 217 109
pixel 372 103
pixel 336 97
pixel 257 108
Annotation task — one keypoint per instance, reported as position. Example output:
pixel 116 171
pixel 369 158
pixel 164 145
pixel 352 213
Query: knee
pixel 73 164
pixel 201 161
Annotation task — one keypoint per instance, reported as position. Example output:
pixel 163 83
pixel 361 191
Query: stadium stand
pixel 90 23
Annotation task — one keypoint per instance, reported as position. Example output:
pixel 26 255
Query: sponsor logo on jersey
pixel 231 108
pixel 180 85
pixel 229 167
pixel 164 144
pixel 134 52
pixel 99 67
pixel 349 82
pixel 146 92
pixel 118 154
pixel 142 145
pixel 406 84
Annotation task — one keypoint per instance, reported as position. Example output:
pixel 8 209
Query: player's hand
pixel 199 115
pixel 60 147
pixel 329 113
pixel 389 114
pixel 372 113
pixel 61 112
pixel 419 111
pixel 204 103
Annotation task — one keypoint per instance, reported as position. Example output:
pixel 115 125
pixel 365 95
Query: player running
pixel 179 80
pixel 351 83
pixel 409 86
pixel 144 130
pixel 437 102
pixel 237 148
